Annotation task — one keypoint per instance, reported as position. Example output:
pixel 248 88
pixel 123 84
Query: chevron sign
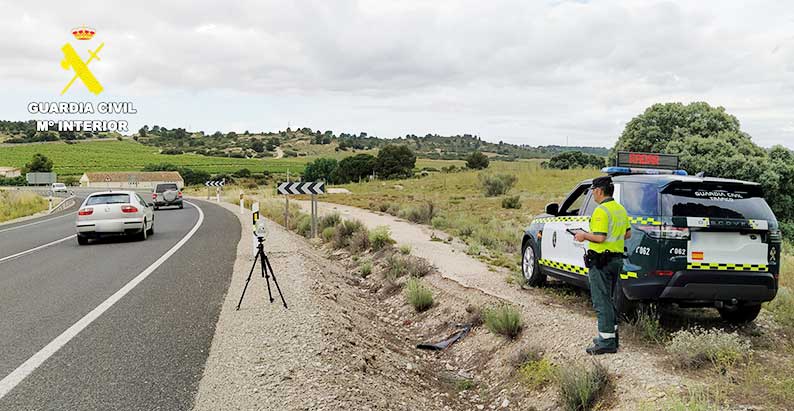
pixel 317 187
pixel 217 183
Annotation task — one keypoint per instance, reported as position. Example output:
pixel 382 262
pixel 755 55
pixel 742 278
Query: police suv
pixel 696 241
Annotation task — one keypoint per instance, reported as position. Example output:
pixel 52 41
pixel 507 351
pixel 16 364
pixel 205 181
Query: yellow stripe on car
pixel 627 275
pixel 644 220
pixel 563 266
pixel 727 267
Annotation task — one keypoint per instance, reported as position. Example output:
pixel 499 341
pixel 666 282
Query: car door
pixel 147 211
pixel 560 250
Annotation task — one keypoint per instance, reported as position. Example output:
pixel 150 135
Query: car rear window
pixel 108 199
pixel 640 199
pixel 162 188
pixel 716 201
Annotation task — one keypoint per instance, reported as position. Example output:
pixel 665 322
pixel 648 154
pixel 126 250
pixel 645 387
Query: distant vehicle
pixel 696 241
pixel 114 213
pixel 58 188
pixel 166 194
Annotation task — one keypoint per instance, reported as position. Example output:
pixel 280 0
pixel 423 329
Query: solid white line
pixel 11 380
pixel 36 222
pixel 34 249
pixel 64 200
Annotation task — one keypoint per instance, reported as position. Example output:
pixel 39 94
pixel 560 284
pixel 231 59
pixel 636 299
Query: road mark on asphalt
pixel 12 380
pixel 34 249
pixel 36 222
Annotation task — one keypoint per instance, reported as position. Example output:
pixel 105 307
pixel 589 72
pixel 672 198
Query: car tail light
pixel 663 273
pixel 179 194
pixel 85 211
pixel 129 209
pixel 154 196
pixel 670 233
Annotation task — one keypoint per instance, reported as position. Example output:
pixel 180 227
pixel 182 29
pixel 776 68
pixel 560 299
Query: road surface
pixel 71 338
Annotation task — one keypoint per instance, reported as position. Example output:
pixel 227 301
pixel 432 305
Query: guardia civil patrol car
pixel 696 241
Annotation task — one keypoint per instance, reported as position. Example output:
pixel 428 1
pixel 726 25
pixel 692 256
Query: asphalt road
pixel 147 351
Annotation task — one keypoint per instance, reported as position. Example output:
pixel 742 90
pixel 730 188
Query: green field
pixel 75 159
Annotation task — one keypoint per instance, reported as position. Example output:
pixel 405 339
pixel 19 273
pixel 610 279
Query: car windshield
pixel 734 201
pixel 108 199
pixel 162 188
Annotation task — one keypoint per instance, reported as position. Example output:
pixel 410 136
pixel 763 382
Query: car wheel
pixel 740 315
pixel 151 229
pixel 82 240
pixel 626 309
pixel 530 266
pixel 143 235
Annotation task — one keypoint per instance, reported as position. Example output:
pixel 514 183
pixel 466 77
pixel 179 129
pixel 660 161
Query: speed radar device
pixel 260 232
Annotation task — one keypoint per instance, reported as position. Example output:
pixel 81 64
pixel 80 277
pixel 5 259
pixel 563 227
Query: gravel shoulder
pixel 562 331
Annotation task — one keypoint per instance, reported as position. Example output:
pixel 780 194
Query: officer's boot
pixel 603 346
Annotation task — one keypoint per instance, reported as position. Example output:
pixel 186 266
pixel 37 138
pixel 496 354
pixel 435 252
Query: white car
pixel 58 188
pixel 114 213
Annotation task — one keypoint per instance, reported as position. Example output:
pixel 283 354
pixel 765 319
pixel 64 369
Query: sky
pixel 524 72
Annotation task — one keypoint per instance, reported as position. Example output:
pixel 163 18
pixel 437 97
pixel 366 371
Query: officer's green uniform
pixel 609 219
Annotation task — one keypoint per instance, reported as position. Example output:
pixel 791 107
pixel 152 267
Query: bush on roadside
pixel 497 184
pixel 581 386
pixel 328 234
pixel 421 214
pixel 405 249
pixel 782 307
pixel 344 231
pixel 696 346
pixel 366 268
pixel 646 327
pixel 504 319
pixel 513 202
pixel 395 267
pixel 380 237
pixel 438 222
pixel 304 225
pixel 417 267
pixel 359 241
pixel 419 296
pixel 536 373
pixel 330 220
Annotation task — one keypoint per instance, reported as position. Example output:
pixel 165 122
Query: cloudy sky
pixel 526 72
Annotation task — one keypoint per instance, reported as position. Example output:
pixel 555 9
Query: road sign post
pixel 306 188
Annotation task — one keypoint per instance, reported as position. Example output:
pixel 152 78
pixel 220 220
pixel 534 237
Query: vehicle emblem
pixel 772 252
pixel 554 239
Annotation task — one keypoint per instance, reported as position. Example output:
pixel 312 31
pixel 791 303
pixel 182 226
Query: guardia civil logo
pixel 72 61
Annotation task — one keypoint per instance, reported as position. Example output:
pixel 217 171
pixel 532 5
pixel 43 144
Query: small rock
pixel 505 403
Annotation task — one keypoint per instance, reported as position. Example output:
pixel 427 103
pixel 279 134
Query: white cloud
pixel 524 72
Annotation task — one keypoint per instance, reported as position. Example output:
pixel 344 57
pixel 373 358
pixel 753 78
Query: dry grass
pixel 418 295
pixel 582 385
pixel 16 204
pixel 504 320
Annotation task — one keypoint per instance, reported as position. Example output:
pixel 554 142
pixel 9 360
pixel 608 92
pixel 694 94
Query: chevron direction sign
pixel 217 183
pixel 317 187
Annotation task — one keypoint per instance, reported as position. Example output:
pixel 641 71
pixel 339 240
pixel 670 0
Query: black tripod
pixel 265 265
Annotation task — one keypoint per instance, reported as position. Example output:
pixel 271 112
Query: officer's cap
pixel 601 182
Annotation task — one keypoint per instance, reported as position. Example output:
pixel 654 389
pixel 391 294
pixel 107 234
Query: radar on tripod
pixel 260 229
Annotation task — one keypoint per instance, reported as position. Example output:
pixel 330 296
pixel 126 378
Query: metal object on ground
pixel 441 345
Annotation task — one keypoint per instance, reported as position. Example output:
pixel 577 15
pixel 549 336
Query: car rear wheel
pixel 82 240
pixel 740 315
pixel 530 266
pixel 151 229
pixel 143 235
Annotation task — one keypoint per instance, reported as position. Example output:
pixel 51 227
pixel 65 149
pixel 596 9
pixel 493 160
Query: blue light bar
pixel 628 170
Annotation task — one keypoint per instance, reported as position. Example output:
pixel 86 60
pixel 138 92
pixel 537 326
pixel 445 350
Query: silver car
pixel 114 213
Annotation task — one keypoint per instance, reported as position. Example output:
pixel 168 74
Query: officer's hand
pixel 580 236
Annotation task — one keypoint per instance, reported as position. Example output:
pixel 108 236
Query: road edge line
pixel 34 249
pixel 20 373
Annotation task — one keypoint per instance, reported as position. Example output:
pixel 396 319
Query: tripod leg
pixel 266 261
pixel 265 275
pixel 247 280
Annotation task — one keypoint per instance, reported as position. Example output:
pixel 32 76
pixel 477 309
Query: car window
pixel 574 201
pixel 590 204
pixel 162 188
pixel 140 199
pixel 108 199
pixel 640 199
pixel 715 201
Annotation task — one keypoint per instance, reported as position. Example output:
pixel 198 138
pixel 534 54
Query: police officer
pixel 609 227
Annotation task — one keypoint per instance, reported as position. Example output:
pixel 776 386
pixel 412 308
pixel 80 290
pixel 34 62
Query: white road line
pixel 37 222
pixel 34 249
pixel 11 380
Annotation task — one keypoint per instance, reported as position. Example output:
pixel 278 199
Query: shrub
pixel 304 225
pixel 575 159
pixel 320 169
pixel 366 269
pixel 497 184
pixel 504 320
pixel 422 214
pixel 581 386
pixel 328 233
pixel 696 346
pixel 439 222
pixel 359 241
pixel 477 161
pixel 395 267
pixel 395 161
pixel 344 231
pixel 536 373
pixel 417 267
pixel 782 307
pixel 646 327
pixel 418 295
pixel 513 202
pixel 330 220
pixel 405 249
pixel 474 315
pixel 464 384
pixel 380 237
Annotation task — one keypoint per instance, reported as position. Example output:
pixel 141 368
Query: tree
pixel 395 161
pixel 39 164
pixel 477 161
pixel 354 168
pixel 320 169
pixel 142 132
pixel 575 159
pixel 258 146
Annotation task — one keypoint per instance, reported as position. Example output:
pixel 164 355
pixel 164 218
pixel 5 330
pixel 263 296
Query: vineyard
pixel 75 159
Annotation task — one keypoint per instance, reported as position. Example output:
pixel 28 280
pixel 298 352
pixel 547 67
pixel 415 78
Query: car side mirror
pixel 552 208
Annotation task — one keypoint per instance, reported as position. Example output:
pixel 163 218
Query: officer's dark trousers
pixel 602 282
